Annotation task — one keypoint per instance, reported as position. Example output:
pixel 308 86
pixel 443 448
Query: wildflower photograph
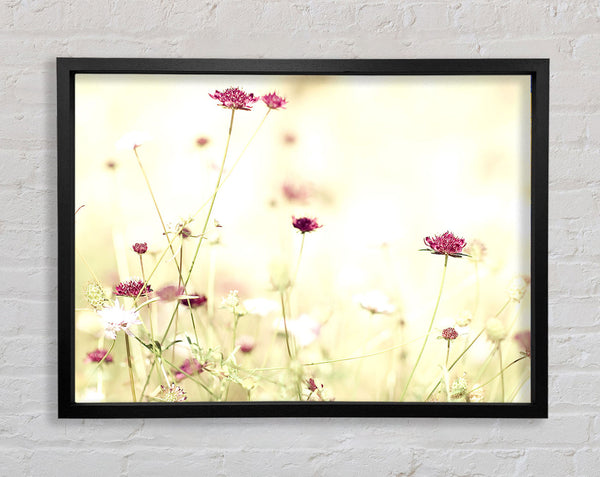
pixel 302 238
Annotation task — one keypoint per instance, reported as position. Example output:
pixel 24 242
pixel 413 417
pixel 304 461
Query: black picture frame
pixel 538 69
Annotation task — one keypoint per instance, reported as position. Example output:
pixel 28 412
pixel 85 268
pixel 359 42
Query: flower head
pixel 133 287
pixel 116 318
pixel 316 391
pixel 173 393
pixel 295 192
pixel 459 388
pixel 524 339
pixel 189 368
pixel 305 224
pixel 140 248
pixel 274 101
pixel 518 287
pixel 202 141
pixel 235 98
pixel 246 343
pixel 449 334
pixel 375 302
pixel 195 302
pixel 232 302
pixel 305 330
pixel 95 296
pixel 98 355
pixel 476 249
pixel 445 244
pixel 495 330
pixel 169 292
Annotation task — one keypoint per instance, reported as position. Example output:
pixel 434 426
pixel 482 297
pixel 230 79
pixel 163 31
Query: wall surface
pixel 32 440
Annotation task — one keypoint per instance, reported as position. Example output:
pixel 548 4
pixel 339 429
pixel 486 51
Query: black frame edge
pixel 538 68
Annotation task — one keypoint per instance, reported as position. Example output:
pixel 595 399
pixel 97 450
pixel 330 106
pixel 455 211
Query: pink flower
pixel 445 244
pixel 132 287
pixel 202 141
pixel 98 355
pixel 305 224
pixel 449 334
pixel 235 98
pixel 246 343
pixel 524 339
pixel 194 302
pixel 311 385
pixel 294 192
pixel 171 394
pixel 169 292
pixel 273 101
pixel 140 248
pixel 189 367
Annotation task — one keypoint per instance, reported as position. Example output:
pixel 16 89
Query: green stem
pixel 500 373
pixel 447 354
pixel 467 349
pixel 298 261
pixel 205 227
pixel 437 304
pixel 501 370
pixel 287 338
pixel 131 381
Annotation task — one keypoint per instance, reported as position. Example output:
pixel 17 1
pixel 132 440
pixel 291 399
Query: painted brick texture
pixel 34 443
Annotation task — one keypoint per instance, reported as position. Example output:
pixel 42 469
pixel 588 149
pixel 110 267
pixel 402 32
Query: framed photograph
pixel 336 238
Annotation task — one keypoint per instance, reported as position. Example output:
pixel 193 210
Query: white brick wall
pixel 34 443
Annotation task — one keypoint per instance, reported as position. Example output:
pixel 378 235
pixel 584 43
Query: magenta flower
pixel 194 302
pixel 132 287
pixel 295 192
pixel 274 101
pixel 170 292
pixel 98 355
pixel 524 339
pixel 445 244
pixel 449 334
pixel 171 394
pixel 202 141
pixel 311 385
pixel 305 224
pixel 189 367
pixel 140 248
pixel 235 98
pixel 246 343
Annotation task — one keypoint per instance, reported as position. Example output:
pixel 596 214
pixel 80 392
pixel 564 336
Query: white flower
pixel 232 301
pixel 375 302
pixel 131 140
pixel 117 318
pixel 260 306
pixel 517 288
pixel 495 330
pixel 305 330
pixel 447 322
pixel 464 318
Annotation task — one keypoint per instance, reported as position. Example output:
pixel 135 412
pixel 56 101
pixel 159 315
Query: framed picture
pixel 302 238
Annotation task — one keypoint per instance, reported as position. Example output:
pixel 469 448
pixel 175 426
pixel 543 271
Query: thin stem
pixel 447 354
pixel 287 338
pixel 518 388
pixel 234 165
pixel 205 227
pixel 298 261
pixel 501 370
pixel 131 381
pixel 500 373
pixel 467 348
pixel 437 304
pixel 376 353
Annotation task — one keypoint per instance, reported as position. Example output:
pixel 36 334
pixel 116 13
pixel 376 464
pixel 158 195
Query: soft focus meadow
pixel 309 238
